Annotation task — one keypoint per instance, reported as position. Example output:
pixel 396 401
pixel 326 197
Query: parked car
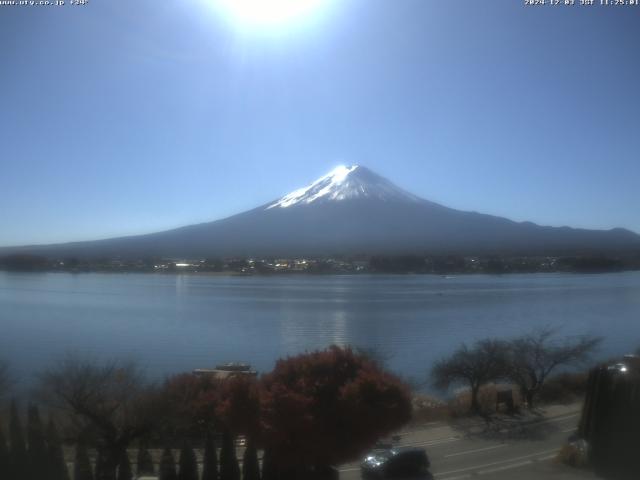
pixel 399 462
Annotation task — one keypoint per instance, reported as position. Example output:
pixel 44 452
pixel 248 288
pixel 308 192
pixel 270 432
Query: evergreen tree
pixel 18 452
pixel 145 463
pixel 250 466
pixel 82 465
pixel 210 460
pixel 124 468
pixel 100 467
pixel 4 456
pixel 229 468
pixel 55 456
pixel 167 466
pixel 37 447
pixel 188 463
pixel 269 470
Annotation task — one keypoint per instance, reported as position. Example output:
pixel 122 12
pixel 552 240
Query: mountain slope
pixel 352 210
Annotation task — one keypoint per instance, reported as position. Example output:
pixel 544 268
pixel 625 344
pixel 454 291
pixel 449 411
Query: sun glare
pixel 267 13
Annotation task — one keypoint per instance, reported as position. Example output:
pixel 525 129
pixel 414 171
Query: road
pixel 505 449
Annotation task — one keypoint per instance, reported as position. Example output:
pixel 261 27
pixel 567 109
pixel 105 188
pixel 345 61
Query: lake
pixel 172 323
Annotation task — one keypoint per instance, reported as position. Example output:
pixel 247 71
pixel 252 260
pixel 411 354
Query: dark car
pixel 400 462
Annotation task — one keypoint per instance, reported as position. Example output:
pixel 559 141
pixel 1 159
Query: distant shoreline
pixel 338 265
pixel 323 274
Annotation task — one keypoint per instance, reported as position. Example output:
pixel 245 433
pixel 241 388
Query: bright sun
pixel 267 12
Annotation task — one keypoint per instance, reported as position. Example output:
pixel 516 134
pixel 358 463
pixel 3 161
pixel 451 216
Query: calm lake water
pixel 177 323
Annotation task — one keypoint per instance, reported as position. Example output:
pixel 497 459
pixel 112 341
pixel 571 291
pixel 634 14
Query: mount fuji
pixel 352 210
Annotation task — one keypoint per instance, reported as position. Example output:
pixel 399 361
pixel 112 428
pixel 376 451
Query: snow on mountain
pixel 346 182
pixel 354 211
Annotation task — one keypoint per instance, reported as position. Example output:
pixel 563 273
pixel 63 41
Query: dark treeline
pixel 395 264
pixel 31 451
pixel 301 420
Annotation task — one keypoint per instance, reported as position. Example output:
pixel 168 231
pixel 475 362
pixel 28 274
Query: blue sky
pixel 129 119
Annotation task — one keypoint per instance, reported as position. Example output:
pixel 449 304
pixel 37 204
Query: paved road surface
pixel 507 449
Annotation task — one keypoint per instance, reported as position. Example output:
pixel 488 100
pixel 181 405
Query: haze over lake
pixel 175 323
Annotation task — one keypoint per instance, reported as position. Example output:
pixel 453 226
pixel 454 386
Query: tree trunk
pixel 145 465
pixel 229 468
pixel 529 396
pixel 82 465
pixel 167 468
pixel 475 405
pixel 210 460
pixel 124 468
pixel 250 465
pixel 188 463
pixel 107 464
pixel 269 469
pixel 109 457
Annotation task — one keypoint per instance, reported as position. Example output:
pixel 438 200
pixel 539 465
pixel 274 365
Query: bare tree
pixel 533 357
pixel 109 404
pixel 472 366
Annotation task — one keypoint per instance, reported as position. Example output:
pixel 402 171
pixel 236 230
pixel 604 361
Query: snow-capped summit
pixel 345 182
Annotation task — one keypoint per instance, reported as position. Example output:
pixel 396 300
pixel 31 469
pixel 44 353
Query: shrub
pixel 18 463
pixel 4 456
pixel 428 409
pixel 167 466
pixel 145 463
pixel 269 470
pixel 82 465
pixel 210 460
pixel 37 451
pixel 574 455
pixel 229 468
pixel 124 468
pixel 188 463
pixel 250 466
pixel 564 388
pixel 459 405
pixel 55 456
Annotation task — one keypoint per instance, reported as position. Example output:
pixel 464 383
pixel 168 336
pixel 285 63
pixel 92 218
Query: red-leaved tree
pixel 327 407
pixel 190 405
pixel 238 408
pixel 238 411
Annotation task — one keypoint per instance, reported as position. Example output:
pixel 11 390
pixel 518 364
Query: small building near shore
pixel 227 370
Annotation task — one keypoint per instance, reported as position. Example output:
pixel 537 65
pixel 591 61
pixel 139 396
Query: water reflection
pixel 181 322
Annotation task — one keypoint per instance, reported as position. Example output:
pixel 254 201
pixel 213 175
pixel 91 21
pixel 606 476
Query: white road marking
pixel 352 469
pixel 433 443
pixel 444 440
pixel 559 419
pixel 475 450
pixel 505 467
pixel 515 459
pixel 548 457
pixel 428 443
